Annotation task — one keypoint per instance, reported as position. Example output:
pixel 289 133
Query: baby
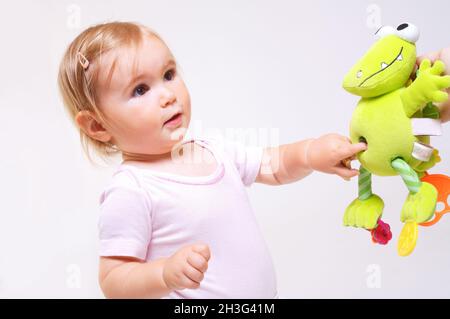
pixel 174 224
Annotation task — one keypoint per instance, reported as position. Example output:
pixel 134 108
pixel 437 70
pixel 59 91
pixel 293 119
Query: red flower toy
pixel 382 233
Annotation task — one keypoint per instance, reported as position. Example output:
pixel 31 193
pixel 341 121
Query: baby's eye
pixel 140 90
pixel 169 75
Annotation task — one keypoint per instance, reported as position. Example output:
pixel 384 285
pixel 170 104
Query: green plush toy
pixel 395 117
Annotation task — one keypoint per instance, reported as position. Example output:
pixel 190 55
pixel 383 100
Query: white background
pixel 247 64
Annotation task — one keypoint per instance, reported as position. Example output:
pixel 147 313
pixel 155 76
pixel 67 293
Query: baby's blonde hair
pixel 77 81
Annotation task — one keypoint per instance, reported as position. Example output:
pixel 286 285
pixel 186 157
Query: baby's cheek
pixel 145 117
pixel 183 94
pixel 141 126
pixel 151 127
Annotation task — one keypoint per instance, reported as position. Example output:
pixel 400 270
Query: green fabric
pixel 387 130
pixel 420 207
pixel 408 175
pixel 376 81
pixel 427 87
pixel 425 166
pixel 383 119
pixel 431 111
pixel 421 201
pixel 383 115
pixel 364 213
pixel 364 184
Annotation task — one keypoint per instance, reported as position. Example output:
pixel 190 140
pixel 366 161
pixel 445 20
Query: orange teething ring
pixel 442 184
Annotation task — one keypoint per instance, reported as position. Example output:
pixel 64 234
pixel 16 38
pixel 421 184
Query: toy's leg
pixel 425 166
pixel 364 184
pixel 364 211
pixel 421 201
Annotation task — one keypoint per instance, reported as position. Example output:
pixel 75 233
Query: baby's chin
pixel 172 135
pixel 177 134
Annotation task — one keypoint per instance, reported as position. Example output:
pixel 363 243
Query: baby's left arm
pixel 291 162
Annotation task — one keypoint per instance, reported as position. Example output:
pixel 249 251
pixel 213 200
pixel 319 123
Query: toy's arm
pixel 426 88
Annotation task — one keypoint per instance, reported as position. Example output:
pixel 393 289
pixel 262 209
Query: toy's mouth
pixel 384 66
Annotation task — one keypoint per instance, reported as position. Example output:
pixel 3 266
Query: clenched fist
pixel 186 268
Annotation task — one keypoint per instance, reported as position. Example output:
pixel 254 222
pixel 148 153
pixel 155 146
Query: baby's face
pixel 147 105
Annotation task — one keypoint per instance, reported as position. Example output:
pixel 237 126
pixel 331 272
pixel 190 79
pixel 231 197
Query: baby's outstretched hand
pixel 326 153
pixel 186 268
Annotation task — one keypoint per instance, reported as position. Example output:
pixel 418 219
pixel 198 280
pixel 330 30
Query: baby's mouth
pixel 174 119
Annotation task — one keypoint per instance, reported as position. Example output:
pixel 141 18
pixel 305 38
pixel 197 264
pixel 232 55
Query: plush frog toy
pixel 395 118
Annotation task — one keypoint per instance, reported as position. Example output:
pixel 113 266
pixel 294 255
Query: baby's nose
pixel 167 98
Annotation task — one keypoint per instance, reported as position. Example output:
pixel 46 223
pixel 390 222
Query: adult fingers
pixel 432 56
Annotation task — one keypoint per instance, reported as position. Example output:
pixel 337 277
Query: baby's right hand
pixel 186 268
pixel 327 153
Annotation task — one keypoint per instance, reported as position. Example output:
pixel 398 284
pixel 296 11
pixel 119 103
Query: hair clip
pixel 82 60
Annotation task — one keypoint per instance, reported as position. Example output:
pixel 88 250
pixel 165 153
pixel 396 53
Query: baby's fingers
pixel 358 147
pixel 186 282
pixel 202 250
pixel 346 173
pixel 353 149
pixel 194 277
pixel 197 261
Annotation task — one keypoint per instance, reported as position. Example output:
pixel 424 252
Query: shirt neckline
pixel 184 179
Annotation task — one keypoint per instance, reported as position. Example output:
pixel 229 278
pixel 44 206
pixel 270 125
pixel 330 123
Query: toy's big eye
pixel 402 26
pixel 359 74
pixel 408 32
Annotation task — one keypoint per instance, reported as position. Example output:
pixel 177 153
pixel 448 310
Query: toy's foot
pixel 424 166
pixel 364 213
pixel 420 207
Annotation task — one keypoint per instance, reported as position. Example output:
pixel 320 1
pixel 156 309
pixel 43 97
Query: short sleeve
pixel 125 222
pixel 247 159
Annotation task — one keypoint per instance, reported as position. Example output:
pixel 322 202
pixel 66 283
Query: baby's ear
pixel 89 124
